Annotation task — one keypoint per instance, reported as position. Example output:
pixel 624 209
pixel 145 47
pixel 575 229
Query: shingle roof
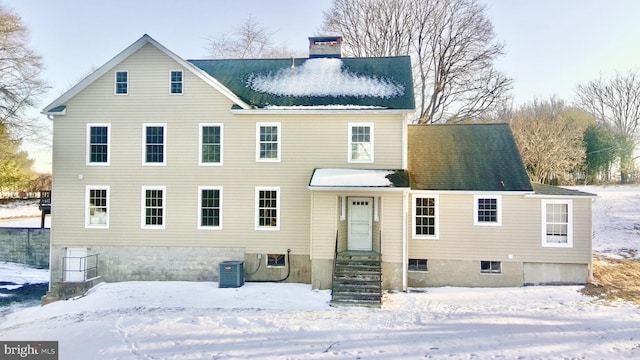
pixel 543 189
pixel 467 157
pixel 357 82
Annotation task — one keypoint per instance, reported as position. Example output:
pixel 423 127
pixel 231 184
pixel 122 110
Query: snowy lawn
pixel 198 320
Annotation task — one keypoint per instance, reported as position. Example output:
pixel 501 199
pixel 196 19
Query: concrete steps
pixel 357 280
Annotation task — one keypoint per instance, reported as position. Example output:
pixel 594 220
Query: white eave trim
pixel 473 192
pixel 543 196
pixel 320 111
pixel 144 40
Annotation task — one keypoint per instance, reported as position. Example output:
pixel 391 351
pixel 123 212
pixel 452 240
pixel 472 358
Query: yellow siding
pixel 308 141
pixel 519 236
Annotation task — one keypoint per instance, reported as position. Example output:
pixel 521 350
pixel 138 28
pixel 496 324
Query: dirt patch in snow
pixel 615 279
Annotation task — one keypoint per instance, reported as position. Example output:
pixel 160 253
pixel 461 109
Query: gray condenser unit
pixel 231 274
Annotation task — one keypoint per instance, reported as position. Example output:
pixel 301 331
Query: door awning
pixel 359 179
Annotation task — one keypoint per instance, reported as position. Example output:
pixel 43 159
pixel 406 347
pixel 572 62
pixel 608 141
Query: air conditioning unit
pixel 231 274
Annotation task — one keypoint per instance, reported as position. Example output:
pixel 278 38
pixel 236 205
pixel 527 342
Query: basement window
pixel 276 260
pixel 417 265
pixel 490 267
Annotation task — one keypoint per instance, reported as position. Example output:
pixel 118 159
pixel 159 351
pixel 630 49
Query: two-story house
pixel 305 169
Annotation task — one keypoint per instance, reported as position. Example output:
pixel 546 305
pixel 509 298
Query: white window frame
pixel 545 242
pixel 214 227
pixel 476 199
pixel 143 208
pixel 436 204
pixel 201 144
pixel 279 142
pixel 87 207
pixel 257 208
pixel 88 147
pixel 115 83
pixel 171 82
pixel 371 141
pixel 164 144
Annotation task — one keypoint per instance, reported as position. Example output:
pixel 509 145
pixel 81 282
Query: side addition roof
pixel 58 106
pixel 465 157
pixel 340 83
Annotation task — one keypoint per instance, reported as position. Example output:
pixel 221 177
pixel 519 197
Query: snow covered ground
pixel 198 320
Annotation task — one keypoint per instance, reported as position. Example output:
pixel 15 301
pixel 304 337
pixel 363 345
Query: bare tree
pixel 249 41
pixel 549 135
pixel 451 43
pixel 616 102
pixel 20 83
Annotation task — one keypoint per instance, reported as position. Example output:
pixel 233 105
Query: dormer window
pixel 122 83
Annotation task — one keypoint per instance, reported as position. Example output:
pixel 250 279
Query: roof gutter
pixel 317 110
pixel 355 188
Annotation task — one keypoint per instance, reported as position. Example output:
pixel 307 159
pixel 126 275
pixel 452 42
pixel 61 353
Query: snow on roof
pixel 351 178
pixel 323 77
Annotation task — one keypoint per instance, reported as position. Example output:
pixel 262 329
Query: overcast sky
pixel 551 45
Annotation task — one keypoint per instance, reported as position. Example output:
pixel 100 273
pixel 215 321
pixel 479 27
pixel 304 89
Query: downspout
pixel 405 247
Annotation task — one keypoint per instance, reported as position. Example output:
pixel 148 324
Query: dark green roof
pixel 465 157
pixel 543 189
pixel 387 81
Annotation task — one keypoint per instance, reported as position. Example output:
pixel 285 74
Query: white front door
pixel 360 221
pixel 75 264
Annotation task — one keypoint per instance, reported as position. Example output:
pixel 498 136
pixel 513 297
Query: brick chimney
pixel 325 47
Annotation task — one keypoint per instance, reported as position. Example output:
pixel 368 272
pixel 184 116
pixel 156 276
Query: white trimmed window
pixel 360 142
pixel 211 136
pixel 153 207
pixel 97 207
pixel 98 144
pixel 267 208
pixel 154 140
pixel 487 210
pixel 210 207
pixel 175 82
pixel 557 223
pixel 122 83
pixel 425 216
pixel 268 144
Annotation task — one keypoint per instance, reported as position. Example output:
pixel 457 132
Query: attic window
pixel 122 83
pixel 176 82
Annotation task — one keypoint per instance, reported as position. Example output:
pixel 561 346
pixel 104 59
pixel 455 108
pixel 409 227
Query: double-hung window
pixel 487 210
pixel 267 208
pixel 98 139
pixel 176 82
pixel 153 207
pixel 97 207
pixel 360 142
pixel 211 136
pixel 425 216
pixel 122 83
pixel 154 140
pixel 210 209
pixel 268 142
pixel 557 224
